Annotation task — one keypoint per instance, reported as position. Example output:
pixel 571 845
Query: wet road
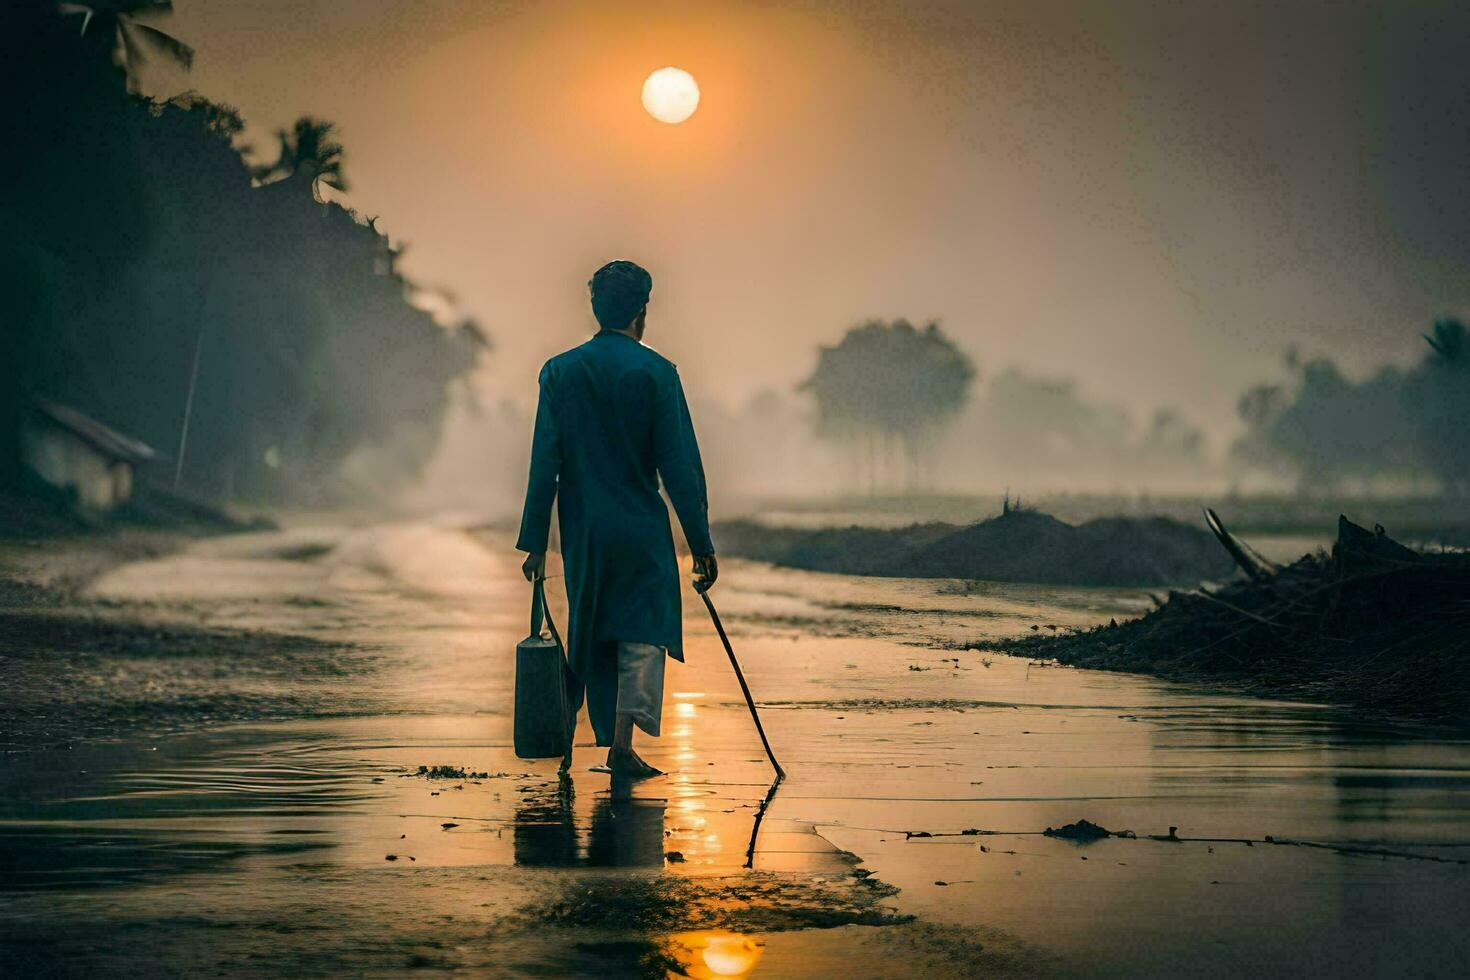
pixel 229 802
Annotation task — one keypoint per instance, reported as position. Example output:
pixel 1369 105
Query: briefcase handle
pixel 540 610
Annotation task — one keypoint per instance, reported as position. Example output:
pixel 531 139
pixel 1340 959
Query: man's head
pixel 620 293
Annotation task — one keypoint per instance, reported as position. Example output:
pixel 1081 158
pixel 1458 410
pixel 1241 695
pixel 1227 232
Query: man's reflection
pixel 623 831
pixel 627 831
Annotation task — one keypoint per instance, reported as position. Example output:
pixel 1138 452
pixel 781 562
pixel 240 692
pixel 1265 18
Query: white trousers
pixel 641 684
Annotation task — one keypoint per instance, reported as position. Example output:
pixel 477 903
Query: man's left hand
pixel 706 570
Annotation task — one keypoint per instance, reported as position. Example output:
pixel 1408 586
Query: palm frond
pixel 1449 340
pixel 74 9
pixel 132 56
pixel 180 52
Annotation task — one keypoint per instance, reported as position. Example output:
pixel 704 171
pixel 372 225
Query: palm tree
pixel 1442 404
pixel 114 25
pixel 310 153
pixel 1450 340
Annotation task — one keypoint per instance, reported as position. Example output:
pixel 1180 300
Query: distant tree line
pixel 891 396
pixel 1046 424
pixel 146 256
pixel 1325 430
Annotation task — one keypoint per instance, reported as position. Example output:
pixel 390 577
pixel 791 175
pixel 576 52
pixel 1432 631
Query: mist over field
pixel 1127 216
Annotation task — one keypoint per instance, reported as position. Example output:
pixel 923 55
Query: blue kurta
pixel 612 420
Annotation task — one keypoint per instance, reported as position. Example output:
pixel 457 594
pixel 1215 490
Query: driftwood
pixel 1254 566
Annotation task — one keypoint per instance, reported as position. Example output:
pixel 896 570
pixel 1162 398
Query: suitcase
pixel 544 721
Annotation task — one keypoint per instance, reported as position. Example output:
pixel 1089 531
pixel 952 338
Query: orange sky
pixel 1154 198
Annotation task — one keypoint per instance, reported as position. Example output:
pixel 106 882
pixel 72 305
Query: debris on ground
pixel 1082 830
pixel 1018 546
pixel 1086 832
pixel 1374 624
pixel 454 772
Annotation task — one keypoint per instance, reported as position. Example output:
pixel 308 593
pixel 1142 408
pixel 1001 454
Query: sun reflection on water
pixel 711 953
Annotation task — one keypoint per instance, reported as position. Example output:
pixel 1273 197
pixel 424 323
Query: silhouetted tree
pixel 888 385
pixel 1171 439
pixel 136 238
pixel 309 155
pixel 1449 340
pixel 1258 409
pixel 1443 405
pixel 72 203
pixel 1398 423
pixel 1026 414
pixel 1336 429
pixel 113 27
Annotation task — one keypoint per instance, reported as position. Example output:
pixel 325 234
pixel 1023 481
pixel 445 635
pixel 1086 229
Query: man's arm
pixel 682 472
pixel 541 487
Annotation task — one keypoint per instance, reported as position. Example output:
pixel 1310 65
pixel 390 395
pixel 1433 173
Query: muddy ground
pixel 1373 624
pixel 211 765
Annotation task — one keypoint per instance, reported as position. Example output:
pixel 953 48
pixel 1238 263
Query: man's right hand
pixel 534 566
pixel 706 570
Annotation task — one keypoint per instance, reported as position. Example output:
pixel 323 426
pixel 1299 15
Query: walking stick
pixel 745 689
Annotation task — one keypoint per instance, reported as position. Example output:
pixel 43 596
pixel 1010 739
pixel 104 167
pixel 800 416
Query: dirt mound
pixel 1018 546
pixel 1375 624
pixel 847 550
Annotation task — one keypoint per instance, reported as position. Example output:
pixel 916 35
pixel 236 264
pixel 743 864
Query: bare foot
pixel 627 765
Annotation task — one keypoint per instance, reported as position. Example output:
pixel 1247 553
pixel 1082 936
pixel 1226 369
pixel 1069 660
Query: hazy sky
pixel 1154 197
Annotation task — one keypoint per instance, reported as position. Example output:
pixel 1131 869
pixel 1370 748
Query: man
pixel 612 421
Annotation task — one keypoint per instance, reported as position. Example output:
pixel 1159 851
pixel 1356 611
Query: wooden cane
pixel 744 687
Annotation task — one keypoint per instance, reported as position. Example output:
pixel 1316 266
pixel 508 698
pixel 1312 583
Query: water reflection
pixel 623 831
pixel 545 831
pixel 221 835
pixel 710 954
pixel 626 831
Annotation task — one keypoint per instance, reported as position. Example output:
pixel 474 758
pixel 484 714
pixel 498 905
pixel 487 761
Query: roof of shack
pixel 108 442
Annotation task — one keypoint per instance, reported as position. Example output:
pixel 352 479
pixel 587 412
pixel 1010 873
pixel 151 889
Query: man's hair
pixel 619 290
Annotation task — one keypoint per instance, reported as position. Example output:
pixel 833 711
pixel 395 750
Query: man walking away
pixel 611 422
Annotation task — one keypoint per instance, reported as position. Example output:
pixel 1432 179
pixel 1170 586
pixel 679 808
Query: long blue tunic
pixel 612 419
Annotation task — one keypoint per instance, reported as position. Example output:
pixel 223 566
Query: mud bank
pixel 51 569
pixel 75 665
pixel 1017 546
pixel 1374 625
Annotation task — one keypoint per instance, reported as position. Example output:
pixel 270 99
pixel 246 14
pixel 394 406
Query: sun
pixel 671 95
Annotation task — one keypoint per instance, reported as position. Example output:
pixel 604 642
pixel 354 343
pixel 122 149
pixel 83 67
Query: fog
pixel 1137 207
